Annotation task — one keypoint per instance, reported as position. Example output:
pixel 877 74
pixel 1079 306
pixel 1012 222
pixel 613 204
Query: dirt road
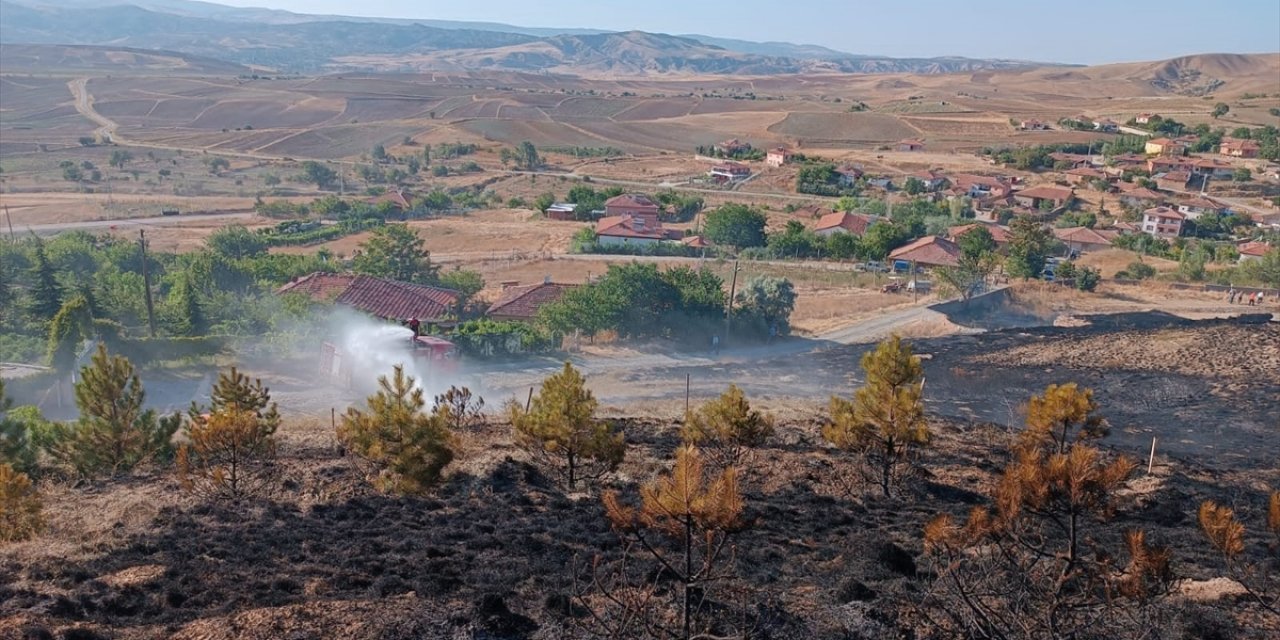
pixel 150 221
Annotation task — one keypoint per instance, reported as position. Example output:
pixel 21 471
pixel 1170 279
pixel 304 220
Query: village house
pixel 632 204
pixel 1075 160
pixel 695 242
pixel 932 179
pixel 1033 125
pixel 1145 118
pixel 398 200
pixel 520 303
pixel 1252 251
pixel 1083 239
pixel 1139 196
pixel 843 222
pixel 1212 167
pixel 379 297
pixel 633 229
pixel 561 211
pixel 909 145
pixel 1084 175
pixel 1106 125
pixel 1238 148
pixel 1035 197
pixel 880 182
pixel 1162 222
pixel 998 233
pixel 1117 165
pixel 1165 147
pixel 1173 180
pixel 848 175
pixel 727 172
pixel 733 147
pixel 929 251
pixel 778 156
pixel 1196 207
pixel 976 186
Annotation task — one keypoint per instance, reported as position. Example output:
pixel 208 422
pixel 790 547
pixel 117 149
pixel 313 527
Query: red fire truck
pixel 427 355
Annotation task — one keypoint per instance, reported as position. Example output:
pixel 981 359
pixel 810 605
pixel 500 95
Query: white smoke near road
pixel 368 348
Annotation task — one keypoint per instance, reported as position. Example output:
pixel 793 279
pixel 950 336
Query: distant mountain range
pixel 306 43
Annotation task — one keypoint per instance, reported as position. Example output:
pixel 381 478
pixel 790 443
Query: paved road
pixel 153 221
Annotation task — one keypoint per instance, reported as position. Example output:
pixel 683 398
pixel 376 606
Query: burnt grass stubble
pixel 490 555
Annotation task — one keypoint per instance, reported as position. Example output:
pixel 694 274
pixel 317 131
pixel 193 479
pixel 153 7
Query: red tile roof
pixel 1254 249
pixel 697 242
pixel 1240 145
pixel 625 227
pixel 1142 193
pixel 998 233
pixel 632 201
pixel 930 251
pixel 1164 212
pixel 1045 192
pixel 524 301
pixel 1081 235
pixel 1087 172
pixel 854 223
pixel 378 297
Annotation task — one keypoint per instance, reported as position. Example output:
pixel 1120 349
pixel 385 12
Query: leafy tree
pixel 970 274
pixel 795 241
pixel 114 433
pixel 885 423
pixel 544 201
pixel 408 448
pixel 119 158
pixel 1220 110
pixel 218 164
pixel 71 326
pixel 397 252
pixel 526 156
pixel 319 174
pixel 45 293
pixel 1261 580
pixel 913 186
pixel 727 429
pixel 881 238
pixel 21 510
pixel 735 225
pixel 696 515
pixel 1029 245
pixel 16 447
pixel 1029 566
pixel 1242 174
pixel 562 433
pixel 1139 270
pixel 467 283
pixel 764 305
pixel 1088 278
pixel 236 242
pixel 976 242
pixel 379 153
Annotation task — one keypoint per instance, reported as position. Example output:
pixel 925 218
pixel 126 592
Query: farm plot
pixel 340 141
pixel 547 100
pixel 176 109
pixel 373 109
pixel 591 108
pixel 720 105
pixel 922 107
pixel 476 109
pixel 264 114
pixel 252 140
pixel 644 135
pixel 552 134
pixel 521 112
pixel 963 127
pixel 27 95
pixel 657 109
pixel 842 127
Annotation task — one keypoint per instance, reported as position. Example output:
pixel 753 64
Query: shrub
pixel 727 428
pixel 232 450
pixel 407 448
pixel 561 432
pixel 459 408
pixel 16 447
pixel 20 506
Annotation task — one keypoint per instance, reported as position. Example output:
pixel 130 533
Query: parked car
pixel 921 286
pixel 875 266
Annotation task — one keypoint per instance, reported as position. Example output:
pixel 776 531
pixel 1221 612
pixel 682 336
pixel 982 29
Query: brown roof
pixel 1254 248
pixel 524 301
pixel 1176 176
pixel 633 200
pixel 1200 203
pixel 854 223
pixel 1160 141
pixel 378 297
pixel 1046 192
pixel 1235 143
pixel 1082 235
pixel 1087 172
pixel 625 227
pixel 1164 212
pixel 931 251
pixel 1142 193
pixel 697 242
pixel 998 233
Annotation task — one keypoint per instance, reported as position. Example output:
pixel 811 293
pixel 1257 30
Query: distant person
pixel 715 345
pixel 414 325
pixel 1231 295
pixel 773 332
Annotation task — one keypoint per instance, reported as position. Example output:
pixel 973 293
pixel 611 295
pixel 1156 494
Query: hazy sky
pixel 1080 31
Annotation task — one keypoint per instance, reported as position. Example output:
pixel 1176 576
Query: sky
pixel 1078 31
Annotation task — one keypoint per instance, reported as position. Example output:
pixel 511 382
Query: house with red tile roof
pixel 932 179
pixel 1252 251
pixel 1084 175
pixel 632 204
pixel 521 303
pixel 729 172
pixel 998 233
pixel 1173 180
pixel 1237 148
pixel 1035 196
pixel 378 297
pixel 976 186
pixel 1162 222
pixel 632 229
pixel 1165 147
pixel 695 242
pixel 1196 207
pixel 929 251
pixel 1083 239
pixel 1136 196
pixel 1145 118
pixel 1076 160
pixel 843 221
pixel 778 156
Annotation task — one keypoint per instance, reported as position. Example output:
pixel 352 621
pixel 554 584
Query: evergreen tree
pixel 408 448
pixel 561 431
pixel 114 433
pixel 885 422
pixel 1029 244
pixel 45 292
pixel 234 391
pixel 16 449
pixel 186 317
pixel 230 454
pixel 727 428
pixel 20 506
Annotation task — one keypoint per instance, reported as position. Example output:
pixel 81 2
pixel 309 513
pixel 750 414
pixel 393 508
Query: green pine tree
pixel 186 317
pixel 16 448
pixel 560 429
pixel 409 447
pixel 114 433
pixel 45 292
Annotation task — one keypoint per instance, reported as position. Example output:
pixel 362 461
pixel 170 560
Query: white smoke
pixel 370 348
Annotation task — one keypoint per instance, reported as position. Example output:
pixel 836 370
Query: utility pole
pixel 146 281
pixel 8 216
pixel 728 315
